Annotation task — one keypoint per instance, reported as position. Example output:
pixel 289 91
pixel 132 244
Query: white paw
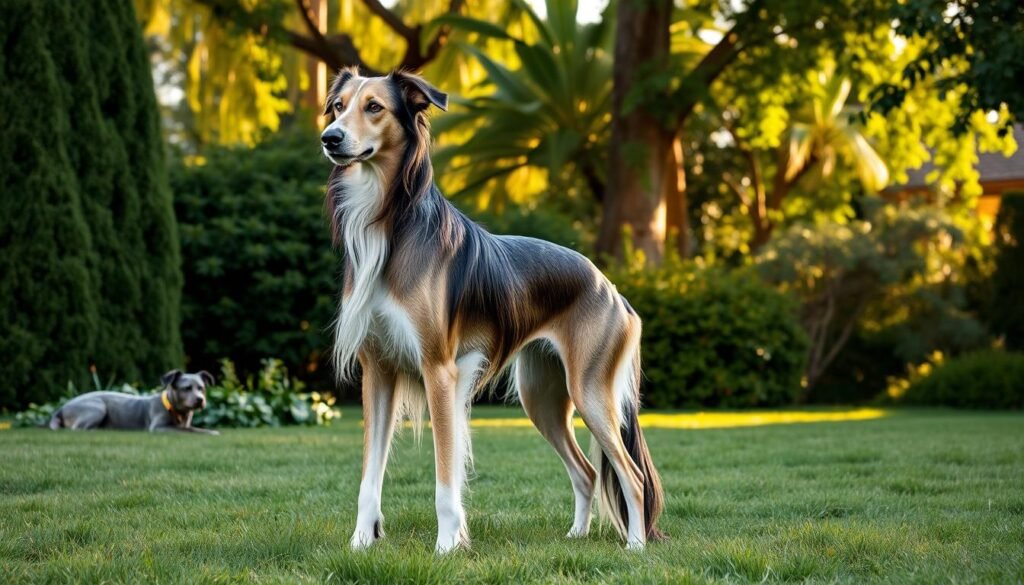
pixel 447 543
pixel 361 541
pixel 578 532
pixel 637 545
pixel 448 546
pixel 363 538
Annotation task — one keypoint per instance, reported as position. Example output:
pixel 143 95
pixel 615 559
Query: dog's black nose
pixel 332 137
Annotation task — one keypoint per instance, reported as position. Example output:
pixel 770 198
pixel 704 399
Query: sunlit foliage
pixel 975 49
pixel 232 71
pixel 549 112
pixel 875 273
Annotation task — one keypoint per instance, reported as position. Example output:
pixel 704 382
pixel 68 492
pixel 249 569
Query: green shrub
pixel 875 294
pixel 982 379
pixel 89 265
pixel 713 337
pixel 539 223
pixel 1006 312
pixel 268 398
pixel 261 276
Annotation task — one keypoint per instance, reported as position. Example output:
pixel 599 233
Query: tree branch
pixel 415 59
pixel 844 336
pixel 735 188
pixel 336 56
pixel 745 33
pixel 709 68
pixel 337 52
pixel 782 186
pixel 306 11
pixel 392 20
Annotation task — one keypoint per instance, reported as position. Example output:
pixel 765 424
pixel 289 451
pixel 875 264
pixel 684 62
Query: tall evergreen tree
pixel 90 267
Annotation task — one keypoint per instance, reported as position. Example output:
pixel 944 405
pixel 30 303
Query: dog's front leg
pixel 449 459
pixel 378 428
pixel 449 389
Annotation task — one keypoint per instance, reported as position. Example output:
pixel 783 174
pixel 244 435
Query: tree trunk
pixel 677 212
pixel 642 167
pixel 764 227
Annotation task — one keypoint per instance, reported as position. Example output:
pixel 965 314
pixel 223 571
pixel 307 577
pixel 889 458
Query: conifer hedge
pixel 89 261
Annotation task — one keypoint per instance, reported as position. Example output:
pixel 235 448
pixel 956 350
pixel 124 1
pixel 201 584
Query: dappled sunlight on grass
pixel 724 420
pixel 716 420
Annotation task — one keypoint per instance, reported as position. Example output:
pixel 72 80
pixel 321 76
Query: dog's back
pixel 103 410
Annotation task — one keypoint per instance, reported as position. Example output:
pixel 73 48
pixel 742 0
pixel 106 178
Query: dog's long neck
pixel 358 200
pixel 377 208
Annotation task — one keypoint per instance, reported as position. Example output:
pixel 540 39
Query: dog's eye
pixel 338 106
pixel 374 107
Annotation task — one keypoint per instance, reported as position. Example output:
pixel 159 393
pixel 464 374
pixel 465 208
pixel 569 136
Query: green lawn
pixel 924 496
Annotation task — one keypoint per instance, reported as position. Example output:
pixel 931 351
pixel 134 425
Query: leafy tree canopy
pixel 974 49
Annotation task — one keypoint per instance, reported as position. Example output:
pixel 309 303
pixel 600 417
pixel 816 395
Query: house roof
pixel 992 166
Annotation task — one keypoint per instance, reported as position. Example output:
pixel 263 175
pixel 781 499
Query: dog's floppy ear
pixel 207 378
pixel 170 378
pixel 418 93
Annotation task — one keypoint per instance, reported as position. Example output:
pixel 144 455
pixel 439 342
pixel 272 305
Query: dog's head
pixel 375 119
pixel 186 392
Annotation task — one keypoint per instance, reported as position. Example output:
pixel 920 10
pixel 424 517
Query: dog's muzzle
pixel 332 139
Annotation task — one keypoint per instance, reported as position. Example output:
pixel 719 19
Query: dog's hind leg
pixel 378 428
pixel 540 382
pixel 603 373
pixel 84 415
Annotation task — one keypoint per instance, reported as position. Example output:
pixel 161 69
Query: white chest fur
pixel 396 334
pixel 366 250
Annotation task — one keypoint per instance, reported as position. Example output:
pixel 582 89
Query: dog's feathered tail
pixel 612 503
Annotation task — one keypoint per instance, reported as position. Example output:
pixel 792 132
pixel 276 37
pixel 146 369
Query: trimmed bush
pixel 261 277
pixel 713 337
pixel 983 379
pixel 539 223
pixel 1006 312
pixel 89 269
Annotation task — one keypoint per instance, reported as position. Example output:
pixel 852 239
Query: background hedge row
pixel 88 245
pixel 261 276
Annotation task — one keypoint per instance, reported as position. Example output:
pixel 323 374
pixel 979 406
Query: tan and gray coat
pixel 434 307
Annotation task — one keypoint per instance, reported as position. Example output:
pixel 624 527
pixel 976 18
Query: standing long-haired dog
pixel 434 307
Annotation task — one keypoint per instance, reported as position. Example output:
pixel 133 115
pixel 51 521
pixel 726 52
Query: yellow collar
pixel 167 402
pixel 178 418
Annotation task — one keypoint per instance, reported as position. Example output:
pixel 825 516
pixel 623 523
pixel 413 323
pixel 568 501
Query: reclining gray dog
pixel 170 410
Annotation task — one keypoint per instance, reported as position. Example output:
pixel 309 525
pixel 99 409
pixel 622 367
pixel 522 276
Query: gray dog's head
pixel 187 392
